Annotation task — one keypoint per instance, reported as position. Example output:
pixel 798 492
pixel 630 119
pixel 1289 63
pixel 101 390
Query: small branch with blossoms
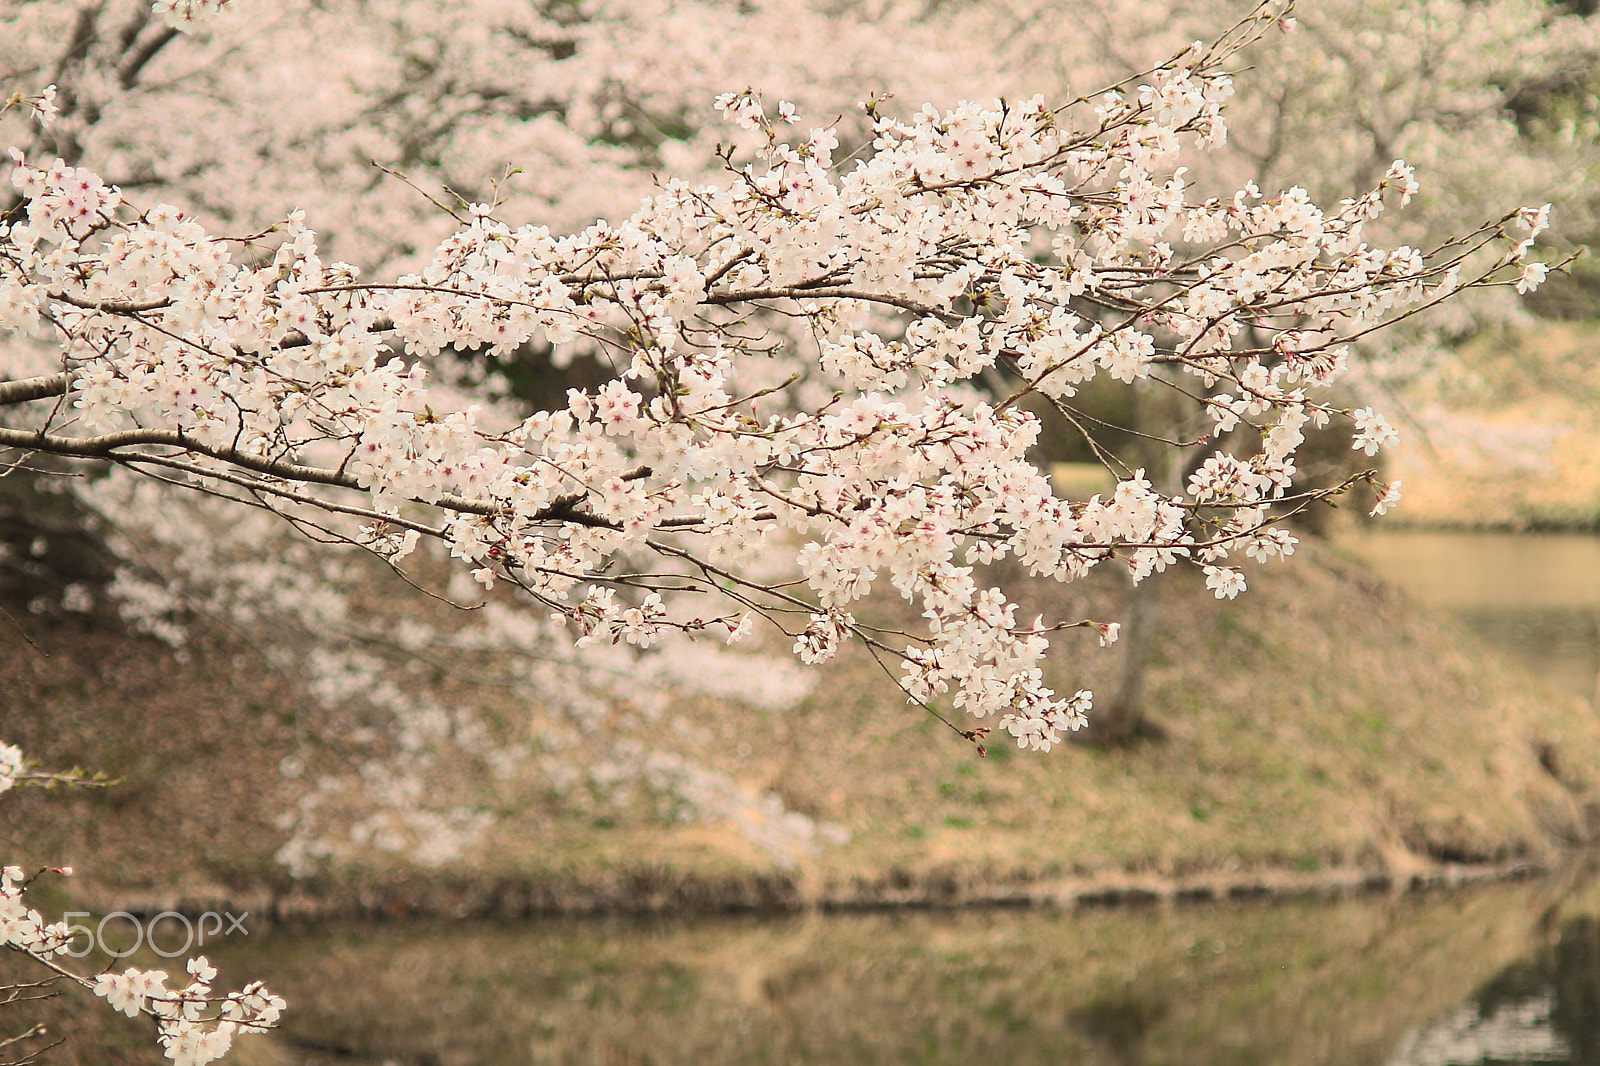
pixel 194 1024
pixel 18 771
pixel 41 105
pixel 813 359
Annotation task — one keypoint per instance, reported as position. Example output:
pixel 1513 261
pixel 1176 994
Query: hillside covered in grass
pixel 1318 729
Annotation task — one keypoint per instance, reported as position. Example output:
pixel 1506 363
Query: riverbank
pixel 643 893
pixel 1320 734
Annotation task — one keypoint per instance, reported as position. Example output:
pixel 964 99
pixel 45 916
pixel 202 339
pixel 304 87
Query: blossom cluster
pixel 196 1027
pixel 806 354
pixel 11 766
pixel 183 14
pixel 23 928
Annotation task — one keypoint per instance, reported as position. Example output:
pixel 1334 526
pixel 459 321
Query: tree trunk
pixel 1121 719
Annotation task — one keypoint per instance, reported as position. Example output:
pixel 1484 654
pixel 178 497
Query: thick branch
pixel 113 447
pixel 134 62
pixel 40 388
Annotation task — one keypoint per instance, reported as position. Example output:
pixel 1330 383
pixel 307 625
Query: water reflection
pixel 1515 1030
pixel 1545 1008
pixel 1534 595
pixel 1562 646
pixel 1507 973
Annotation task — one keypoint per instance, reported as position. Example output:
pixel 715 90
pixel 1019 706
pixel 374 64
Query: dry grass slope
pixel 1320 727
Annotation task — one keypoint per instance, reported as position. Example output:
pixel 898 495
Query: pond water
pixel 1536 596
pixel 1505 973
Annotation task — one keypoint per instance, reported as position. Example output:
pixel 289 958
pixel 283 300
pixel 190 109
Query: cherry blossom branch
pixel 195 1026
pixel 795 354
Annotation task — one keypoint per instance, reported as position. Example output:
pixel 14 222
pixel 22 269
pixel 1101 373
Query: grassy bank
pixel 1319 729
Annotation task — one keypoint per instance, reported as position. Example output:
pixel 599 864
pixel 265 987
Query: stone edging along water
pixel 664 893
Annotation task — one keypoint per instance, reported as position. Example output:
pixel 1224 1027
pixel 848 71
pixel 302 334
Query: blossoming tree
pixel 237 121
pixel 1463 90
pixel 287 382
pixel 814 364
